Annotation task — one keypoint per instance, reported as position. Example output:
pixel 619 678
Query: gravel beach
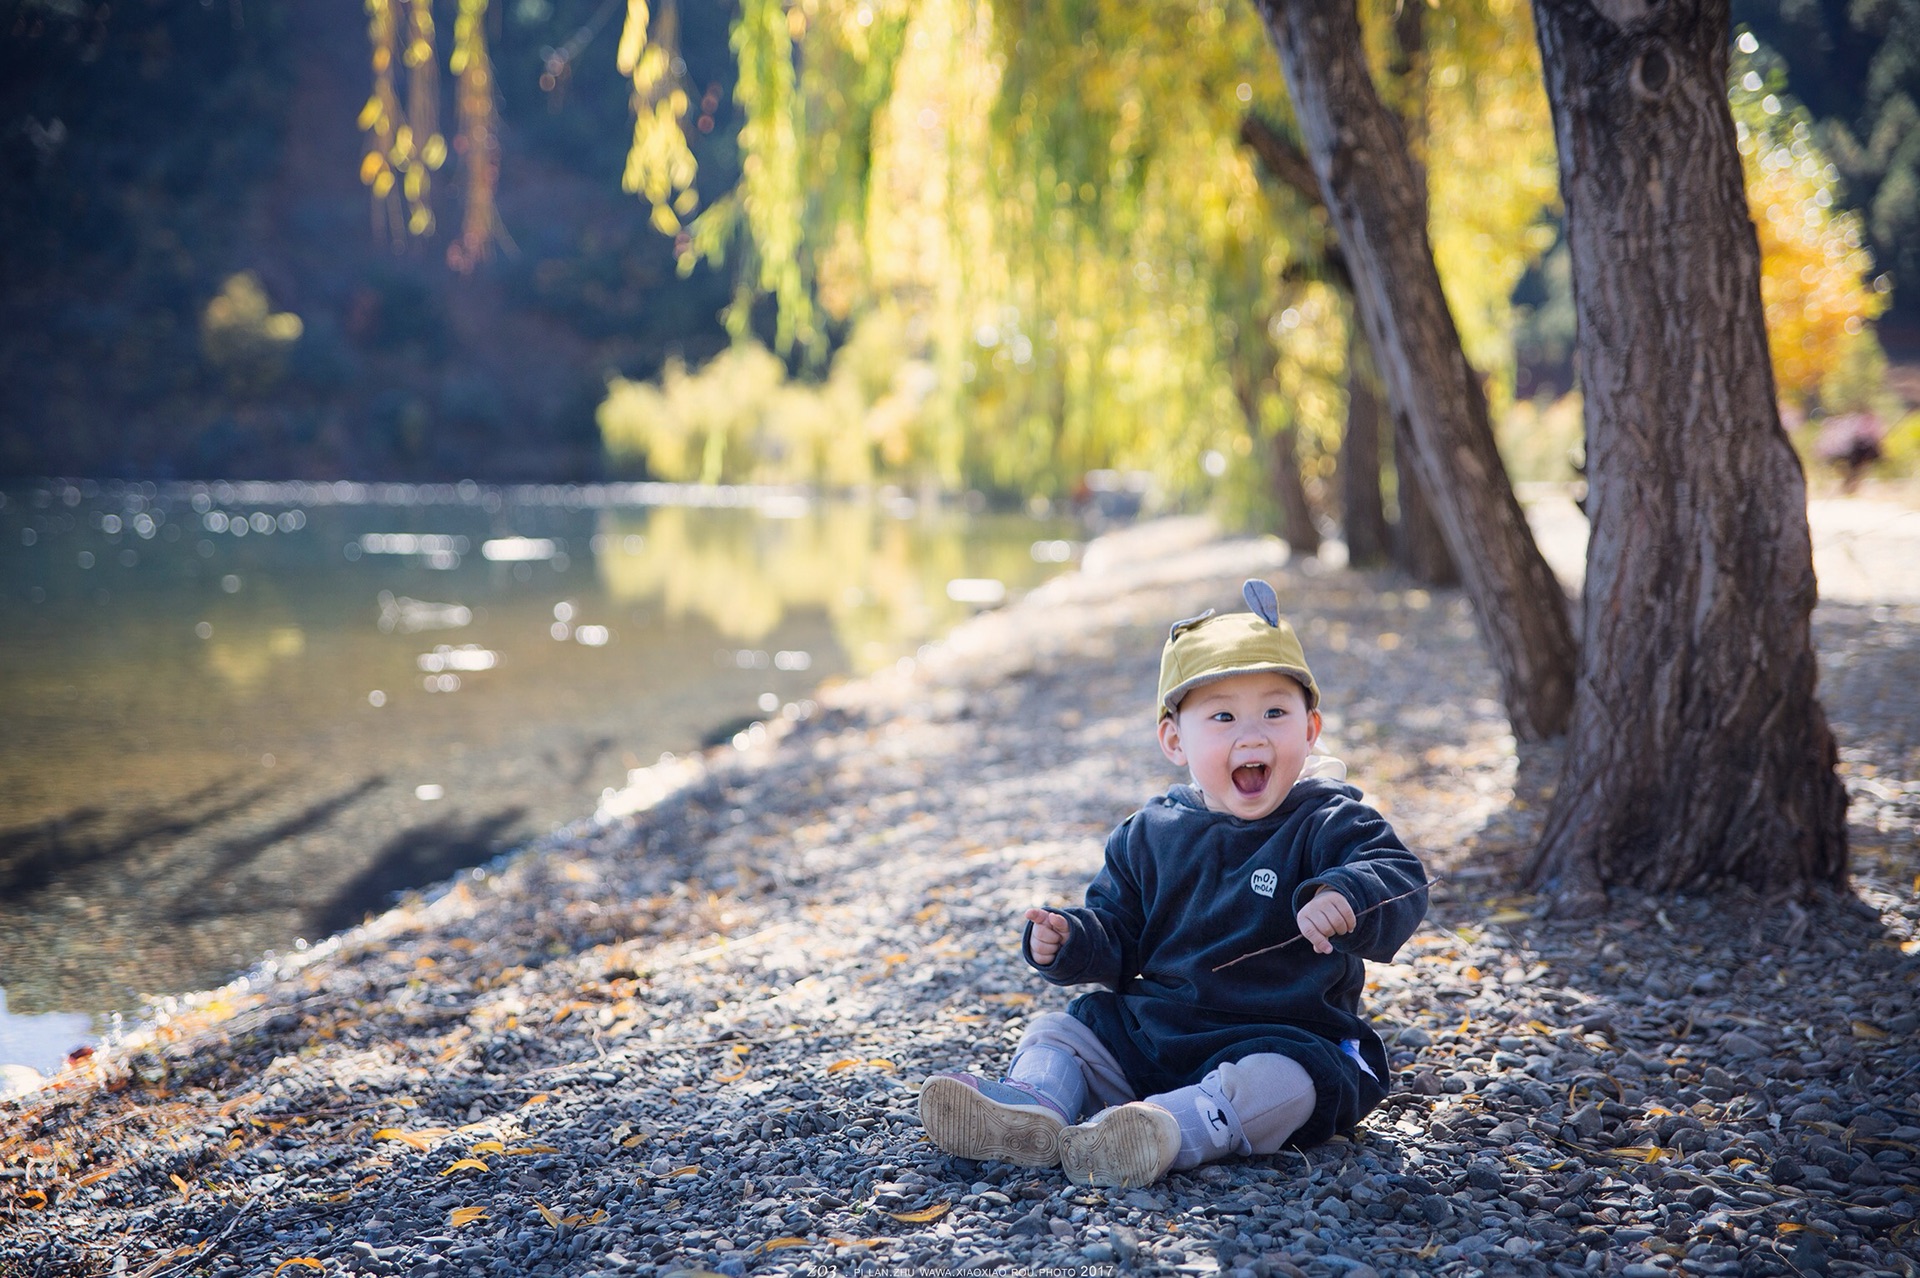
pixel 687 1034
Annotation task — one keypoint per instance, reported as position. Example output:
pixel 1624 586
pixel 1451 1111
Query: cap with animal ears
pixel 1212 646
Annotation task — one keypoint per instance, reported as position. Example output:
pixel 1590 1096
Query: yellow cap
pixel 1209 647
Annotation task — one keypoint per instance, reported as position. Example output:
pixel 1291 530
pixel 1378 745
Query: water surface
pixel 234 717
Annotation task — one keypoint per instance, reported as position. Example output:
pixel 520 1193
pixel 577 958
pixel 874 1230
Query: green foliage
pixel 740 419
pixel 1901 448
pixel 1540 439
pixel 1054 202
pixel 1856 379
pixel 243 337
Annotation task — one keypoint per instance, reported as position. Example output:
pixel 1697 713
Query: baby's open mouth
pixel 1250 778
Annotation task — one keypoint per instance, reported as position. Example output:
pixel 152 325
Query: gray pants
pixel 1262 1098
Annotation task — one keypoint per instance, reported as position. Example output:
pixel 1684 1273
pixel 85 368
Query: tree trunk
pixel 1419 547
pixel 1698 755
pixel 1296 515
pixel 1303 535
pixel 1378 208
pixel 1362 511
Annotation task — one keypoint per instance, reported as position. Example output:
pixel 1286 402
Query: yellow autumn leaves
pixel 1813 268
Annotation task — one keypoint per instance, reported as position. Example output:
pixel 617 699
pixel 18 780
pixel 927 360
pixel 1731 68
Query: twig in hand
pixel 1303 936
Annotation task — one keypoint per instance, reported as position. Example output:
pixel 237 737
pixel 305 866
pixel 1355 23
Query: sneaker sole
pixel 961 1121
pixel 1127 1148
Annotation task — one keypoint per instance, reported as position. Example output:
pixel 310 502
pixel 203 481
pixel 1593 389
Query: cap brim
pixel 1176 694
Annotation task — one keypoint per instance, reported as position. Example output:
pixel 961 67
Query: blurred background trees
pixel 1020 243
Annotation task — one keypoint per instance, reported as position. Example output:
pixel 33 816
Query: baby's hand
pixel 1049 934
pixel 1326 916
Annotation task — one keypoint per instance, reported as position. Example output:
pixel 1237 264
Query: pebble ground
pixel 686 1035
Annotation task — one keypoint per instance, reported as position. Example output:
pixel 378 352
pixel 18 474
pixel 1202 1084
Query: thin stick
pixel 1303 936
pixel 211 1245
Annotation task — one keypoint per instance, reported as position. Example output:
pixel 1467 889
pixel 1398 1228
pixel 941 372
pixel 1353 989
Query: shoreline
pixel 687 1034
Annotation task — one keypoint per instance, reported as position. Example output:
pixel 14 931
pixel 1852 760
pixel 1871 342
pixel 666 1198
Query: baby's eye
pixel 1222 716
pixel 1276 712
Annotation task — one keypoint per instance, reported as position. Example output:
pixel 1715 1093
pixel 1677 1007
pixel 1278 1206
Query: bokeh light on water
pixel 240 715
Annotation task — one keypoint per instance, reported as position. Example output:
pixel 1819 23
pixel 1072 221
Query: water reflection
pixel 880 579
pixel 241 734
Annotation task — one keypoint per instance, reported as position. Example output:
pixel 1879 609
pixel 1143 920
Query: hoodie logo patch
pixel 1265 882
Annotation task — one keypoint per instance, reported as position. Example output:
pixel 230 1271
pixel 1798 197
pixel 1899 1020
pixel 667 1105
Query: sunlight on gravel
pixel 687 1034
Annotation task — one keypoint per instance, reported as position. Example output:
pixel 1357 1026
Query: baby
pixel 1213 1035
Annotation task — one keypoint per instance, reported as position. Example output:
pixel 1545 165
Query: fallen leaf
pixel 305 1262
pixel 489 1147
pixel 1789 1227
pixel 1510 916
pixel 581 1218
pixel 548 1214
pixel 847 1063
pixel 731 1078
pixel 631 1141
pixel 458 1163
pixel 1868 1030
pixel 226 1110
pixel 465 1216
pixel 533 1149
pixel 775 1244
pixel 420 1139
pixel 922 1216
pixel 185 1188
pixel 35 1199
pixel 1471 973
pixel 1010 1000
pixel 879 1062
pixel 93 1177
pixel 1642 1153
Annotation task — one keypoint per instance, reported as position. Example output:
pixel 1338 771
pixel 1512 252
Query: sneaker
pixel 1121 1148
pixel 998 1122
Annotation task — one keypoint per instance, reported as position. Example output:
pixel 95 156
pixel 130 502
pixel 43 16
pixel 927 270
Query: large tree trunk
pixel 1362 511
pixel 1296 515
pixel 1419 546
pixel 1378 208
pixel 1698 754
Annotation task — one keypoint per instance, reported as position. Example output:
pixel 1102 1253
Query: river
pixel 237 717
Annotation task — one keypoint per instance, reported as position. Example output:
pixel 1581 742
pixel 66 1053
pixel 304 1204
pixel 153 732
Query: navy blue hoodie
pixel 1185 890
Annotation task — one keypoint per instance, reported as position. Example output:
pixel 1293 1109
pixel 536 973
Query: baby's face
pixel 1244 740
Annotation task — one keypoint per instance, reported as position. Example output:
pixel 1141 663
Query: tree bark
pixel 1698 753
pixel 1296 513
pixel 1363 514
pixel 1378 209
pixel 1416 543
pixel 1419 546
